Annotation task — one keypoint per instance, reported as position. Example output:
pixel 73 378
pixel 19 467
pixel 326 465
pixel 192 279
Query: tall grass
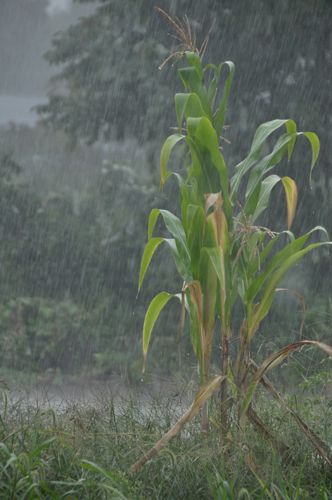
pixel 84 451
pixel 223 253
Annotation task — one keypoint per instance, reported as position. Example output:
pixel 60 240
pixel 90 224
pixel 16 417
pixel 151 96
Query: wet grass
pixel 85 451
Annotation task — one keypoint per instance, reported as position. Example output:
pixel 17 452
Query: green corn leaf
pixel 213 87
pixel 209 284
pixel 266 129
pixel 219 118
pixel 180 107
pixel 195 233
pixel 172 223
pixel 194 329
pixel 175 227
pixel 153 217
pixel 264 254
pixel 151 316
pixel 260 253
pixel 192 81
pixel 165 153
pixel 194 107
pixel 259 199
pixel 294 246
pixel 149 250
pixel 195 61
pixel 291 131
pixel 269 289
pixel 202 130
pixel 187 105
pixel 262 133
pixel 178 246
pixel 315 147
pixel 181 260
pixel 217 259
pixel 267 163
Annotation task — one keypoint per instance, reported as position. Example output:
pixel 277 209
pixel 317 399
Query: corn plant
pixel 221 252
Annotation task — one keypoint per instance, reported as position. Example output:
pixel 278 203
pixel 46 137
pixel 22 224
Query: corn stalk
pixel 220 252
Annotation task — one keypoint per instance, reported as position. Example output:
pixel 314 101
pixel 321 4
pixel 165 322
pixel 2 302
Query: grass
pixel 85 451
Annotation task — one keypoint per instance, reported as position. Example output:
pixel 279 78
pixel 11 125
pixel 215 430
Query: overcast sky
pixel 57 5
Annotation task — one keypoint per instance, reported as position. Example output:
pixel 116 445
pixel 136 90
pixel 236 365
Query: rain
pixel 165 261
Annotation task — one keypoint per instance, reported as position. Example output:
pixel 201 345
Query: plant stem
pixel 225 335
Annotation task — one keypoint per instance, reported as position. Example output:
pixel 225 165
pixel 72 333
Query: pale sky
pixel 57 5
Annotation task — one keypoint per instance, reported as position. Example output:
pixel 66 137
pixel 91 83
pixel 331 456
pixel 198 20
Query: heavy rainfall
pixel 165 261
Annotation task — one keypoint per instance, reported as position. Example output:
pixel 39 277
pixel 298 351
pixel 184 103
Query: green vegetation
pixel 72 225
pixel 48 454
pixel 225 260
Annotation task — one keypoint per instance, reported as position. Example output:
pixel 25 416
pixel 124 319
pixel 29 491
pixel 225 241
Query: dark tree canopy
pixel 108 82
pixel 107 85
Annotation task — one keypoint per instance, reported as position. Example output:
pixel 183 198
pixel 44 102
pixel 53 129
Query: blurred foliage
pixel 40 334
pixel 72 227
pixel 69 265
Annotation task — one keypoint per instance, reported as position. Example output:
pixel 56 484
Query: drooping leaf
pixel 274 360
pixel 165 153
pixel 291 131
pixel 291 198
pixel 149 250
pixel 267 163
pixel 153 217
pixel 262 133
pixel 151 316
pixel 315 147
